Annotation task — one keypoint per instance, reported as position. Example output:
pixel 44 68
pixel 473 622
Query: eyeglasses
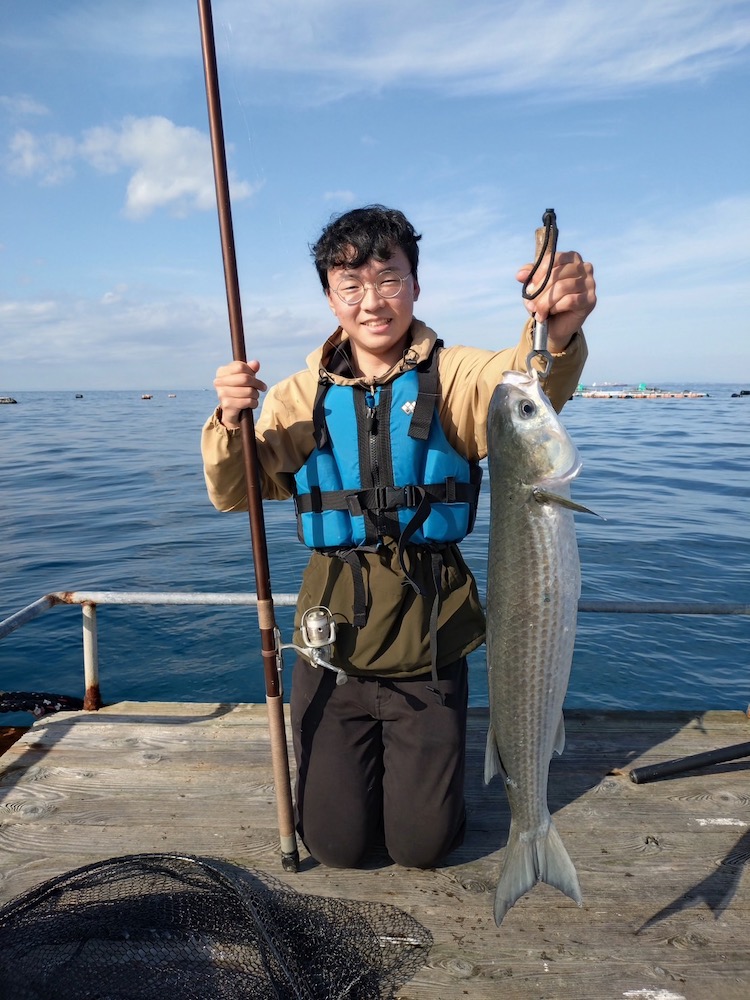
pixel 388 285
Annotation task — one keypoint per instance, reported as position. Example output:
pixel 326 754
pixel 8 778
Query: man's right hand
pixel 238 389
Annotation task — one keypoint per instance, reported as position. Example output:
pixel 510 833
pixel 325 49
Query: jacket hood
pixel 330 361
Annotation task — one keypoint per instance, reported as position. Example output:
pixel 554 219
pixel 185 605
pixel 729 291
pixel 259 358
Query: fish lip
pixel 515 377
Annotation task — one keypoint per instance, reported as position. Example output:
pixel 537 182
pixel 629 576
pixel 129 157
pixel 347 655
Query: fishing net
pixel 38 702
pixel 162 926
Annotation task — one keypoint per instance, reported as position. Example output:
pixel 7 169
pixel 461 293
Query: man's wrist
pixel 224 422
pixel 558 349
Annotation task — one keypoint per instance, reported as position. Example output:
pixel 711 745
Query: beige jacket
pixel 395 641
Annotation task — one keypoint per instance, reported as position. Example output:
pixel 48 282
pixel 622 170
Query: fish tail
pixel 534 857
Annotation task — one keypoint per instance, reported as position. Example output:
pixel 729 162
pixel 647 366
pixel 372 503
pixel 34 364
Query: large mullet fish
pixel 533 586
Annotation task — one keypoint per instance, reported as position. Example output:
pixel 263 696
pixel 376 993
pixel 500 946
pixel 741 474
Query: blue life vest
pixel 383 467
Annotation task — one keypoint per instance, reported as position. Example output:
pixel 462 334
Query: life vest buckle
pixel 380 499
pixel 412 496
pixel 383 499
pixel 354 506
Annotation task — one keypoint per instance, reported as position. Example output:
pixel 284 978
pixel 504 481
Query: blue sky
pixel 629 119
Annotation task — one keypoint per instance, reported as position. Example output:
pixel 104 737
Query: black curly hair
pixel 371 233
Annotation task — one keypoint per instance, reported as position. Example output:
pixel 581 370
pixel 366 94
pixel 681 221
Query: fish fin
pixel 545 496
pixel 559 744
pixel 531 859
pixel 492 763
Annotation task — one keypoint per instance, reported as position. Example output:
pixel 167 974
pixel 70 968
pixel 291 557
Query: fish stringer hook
pixel 546 242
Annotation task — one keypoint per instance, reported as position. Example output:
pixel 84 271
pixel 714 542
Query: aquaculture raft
pixel 661 865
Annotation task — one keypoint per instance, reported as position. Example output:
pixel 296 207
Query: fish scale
pixel 533 586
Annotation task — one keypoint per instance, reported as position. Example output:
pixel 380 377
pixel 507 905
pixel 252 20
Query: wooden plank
pixel 662 865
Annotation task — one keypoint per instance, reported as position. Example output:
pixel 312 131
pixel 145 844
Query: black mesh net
pixel 38 702
pixel 169 927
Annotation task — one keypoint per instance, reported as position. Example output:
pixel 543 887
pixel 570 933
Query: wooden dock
pixel 666 908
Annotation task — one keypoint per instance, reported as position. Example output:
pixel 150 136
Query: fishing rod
pixel 651 772
pixel 266 619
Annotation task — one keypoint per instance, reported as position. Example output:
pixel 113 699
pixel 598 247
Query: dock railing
pixel 89 600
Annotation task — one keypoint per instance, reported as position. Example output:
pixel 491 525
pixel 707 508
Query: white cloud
pixel 710 249
pixel 541 47
pixel 128 335
pixel 22 104
pixel 706 256
pixel 662 301
pixel 325 50
pixel 665 293
pixel 170 165
pixel 49 157
pixel 669 295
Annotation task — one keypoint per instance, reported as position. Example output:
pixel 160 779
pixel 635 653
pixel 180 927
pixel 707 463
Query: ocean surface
pixel 106 492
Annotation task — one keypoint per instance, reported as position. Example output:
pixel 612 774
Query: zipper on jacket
pixel 371 426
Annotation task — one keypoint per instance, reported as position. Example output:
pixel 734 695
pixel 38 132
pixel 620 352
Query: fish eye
pixel 526 409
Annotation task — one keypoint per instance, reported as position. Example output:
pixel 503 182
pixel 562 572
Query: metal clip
pixel 539 350
pixel 546 241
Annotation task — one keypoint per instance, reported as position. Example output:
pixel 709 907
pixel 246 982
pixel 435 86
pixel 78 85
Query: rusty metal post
pixel 92 699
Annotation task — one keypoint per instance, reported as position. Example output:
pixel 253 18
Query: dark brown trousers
pixel 379 760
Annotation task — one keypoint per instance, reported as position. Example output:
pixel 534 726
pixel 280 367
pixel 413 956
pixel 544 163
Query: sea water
pixel 106 492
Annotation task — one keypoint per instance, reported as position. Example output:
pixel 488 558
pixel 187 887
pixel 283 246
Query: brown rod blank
pixel 274 695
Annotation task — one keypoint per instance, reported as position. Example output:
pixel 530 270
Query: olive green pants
pixel 379 761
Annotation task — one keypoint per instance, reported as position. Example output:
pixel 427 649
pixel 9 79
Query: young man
pixel 379 441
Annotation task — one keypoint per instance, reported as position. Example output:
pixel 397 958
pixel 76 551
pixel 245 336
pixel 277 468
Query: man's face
pixel 377 326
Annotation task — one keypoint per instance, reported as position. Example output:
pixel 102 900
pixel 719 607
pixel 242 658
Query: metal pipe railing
pixel 143 597
pixel 91 599
pixel 662 608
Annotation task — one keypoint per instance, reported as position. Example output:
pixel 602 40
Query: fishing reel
pixel 318 632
